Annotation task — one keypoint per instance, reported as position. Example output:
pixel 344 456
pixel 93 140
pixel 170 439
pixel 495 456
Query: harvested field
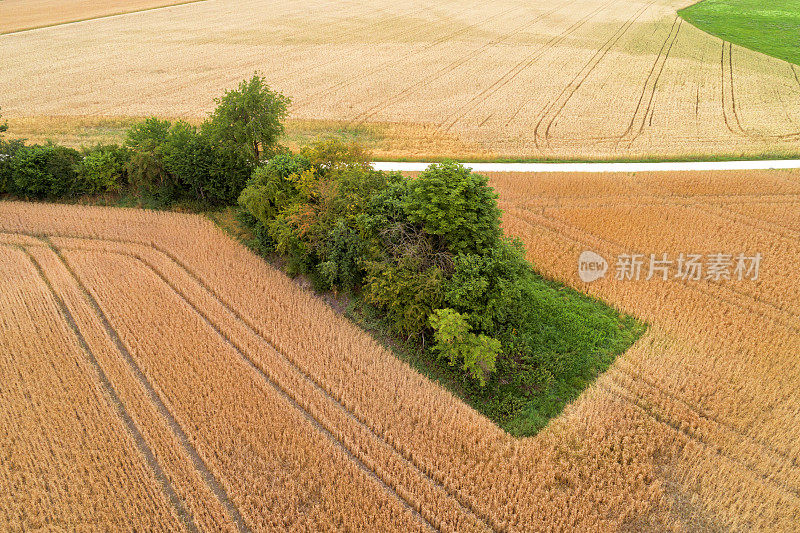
pixel 264 409
pixel 21 15
pixel 578 79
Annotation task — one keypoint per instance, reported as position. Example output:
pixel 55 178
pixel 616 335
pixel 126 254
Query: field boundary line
pixel 114 399
pixel 552 226
pixel 99 17
pixel 466 506
pixel 212 482
pixel 788 489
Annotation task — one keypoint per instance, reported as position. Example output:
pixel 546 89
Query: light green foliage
pixel 454 341
pixel 451 202
pixel 249 118
pixel 102 169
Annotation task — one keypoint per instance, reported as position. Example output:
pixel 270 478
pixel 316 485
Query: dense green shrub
pixel 413 247
pixel 177 162
pixel 428 254
pixel 102 169
pixel 44 171
pixel 7 152
pixel 450 202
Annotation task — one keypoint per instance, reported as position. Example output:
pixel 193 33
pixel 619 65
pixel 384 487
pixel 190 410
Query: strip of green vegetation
pixel 772 27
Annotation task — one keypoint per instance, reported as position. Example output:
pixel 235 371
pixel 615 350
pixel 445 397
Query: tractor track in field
pixel 650 86
pixel 730 108
pixel 115 401
pixel 554 110
pixel 362 117
pixel 509 75
pixel 200 465
pixel 387 64
pixel 468 507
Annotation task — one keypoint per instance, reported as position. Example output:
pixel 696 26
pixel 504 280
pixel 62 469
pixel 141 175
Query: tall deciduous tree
pixel 250 117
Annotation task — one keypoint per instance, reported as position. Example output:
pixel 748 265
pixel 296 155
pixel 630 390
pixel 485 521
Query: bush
pixel 146 170
pixel 455 205
pixel 102 169
pixel 476 353
pixel 41 171
pixel 177 162
pixel 412 246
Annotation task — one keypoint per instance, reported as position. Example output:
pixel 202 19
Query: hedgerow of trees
pixel 426 253
pixel 161 161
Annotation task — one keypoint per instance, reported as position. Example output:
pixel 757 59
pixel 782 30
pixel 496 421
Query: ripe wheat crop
pixel 21 15
pixel 265 409
pixel 573 78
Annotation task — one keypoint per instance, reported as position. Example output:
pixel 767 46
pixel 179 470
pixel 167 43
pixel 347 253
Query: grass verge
pixel 386 142
pixel 769 27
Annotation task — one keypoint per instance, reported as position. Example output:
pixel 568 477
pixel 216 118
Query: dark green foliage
pixel 146 169
pixel 177 162
pixel 452 203
pixel 44 171
pixel 250 119
pixel 7 152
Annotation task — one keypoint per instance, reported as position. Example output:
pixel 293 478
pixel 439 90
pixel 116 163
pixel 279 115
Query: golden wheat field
pixel 565 79
pixel 200 389
pixel 21 15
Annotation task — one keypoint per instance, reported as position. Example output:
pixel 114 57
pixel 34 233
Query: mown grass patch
pixel 772 28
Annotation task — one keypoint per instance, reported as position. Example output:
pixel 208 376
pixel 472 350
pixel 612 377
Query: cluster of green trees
pixel 164 161
pixel 428 252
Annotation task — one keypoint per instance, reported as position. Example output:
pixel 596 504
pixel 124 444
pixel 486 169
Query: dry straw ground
pixel 569 79
pixel 255 406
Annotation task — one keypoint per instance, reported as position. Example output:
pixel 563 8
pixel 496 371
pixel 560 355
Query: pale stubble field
pixel 574 79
